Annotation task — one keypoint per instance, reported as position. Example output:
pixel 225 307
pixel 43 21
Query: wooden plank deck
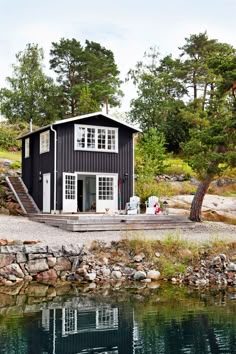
pixel 99 222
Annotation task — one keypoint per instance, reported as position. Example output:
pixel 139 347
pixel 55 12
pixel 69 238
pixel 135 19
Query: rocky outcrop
pixel 8 202
pixel 216 271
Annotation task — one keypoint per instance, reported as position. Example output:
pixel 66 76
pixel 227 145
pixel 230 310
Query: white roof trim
pixel 67 120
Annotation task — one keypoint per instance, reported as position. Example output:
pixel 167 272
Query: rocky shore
pixel 114 262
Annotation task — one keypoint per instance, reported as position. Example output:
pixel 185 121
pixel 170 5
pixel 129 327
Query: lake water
pixel 41 318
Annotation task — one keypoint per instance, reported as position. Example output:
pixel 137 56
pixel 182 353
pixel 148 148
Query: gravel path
pixel 21 228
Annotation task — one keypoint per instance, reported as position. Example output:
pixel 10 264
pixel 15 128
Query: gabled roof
pixel 67 120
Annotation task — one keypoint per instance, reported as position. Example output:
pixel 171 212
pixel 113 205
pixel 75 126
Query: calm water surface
pixel 66 319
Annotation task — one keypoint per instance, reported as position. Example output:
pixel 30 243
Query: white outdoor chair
pixel 151 205
pixel 133 206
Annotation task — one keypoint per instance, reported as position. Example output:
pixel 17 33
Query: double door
pixel 106 192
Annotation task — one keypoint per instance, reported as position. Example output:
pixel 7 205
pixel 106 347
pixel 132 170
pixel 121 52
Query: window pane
pixel 111 139
pixel 91 138
pixel 81 137
pixel 101 139
pixel 105 190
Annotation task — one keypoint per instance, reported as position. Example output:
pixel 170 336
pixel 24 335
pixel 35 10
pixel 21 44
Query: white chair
pixel 151 205
pixel 133 206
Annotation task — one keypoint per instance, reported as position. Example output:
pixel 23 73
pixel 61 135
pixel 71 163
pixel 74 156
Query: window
pixel 105 188
pixel 27 147
pixel 106 318
pixel 70 187
pixel 69 321
pixel 44 142
pixel 96 138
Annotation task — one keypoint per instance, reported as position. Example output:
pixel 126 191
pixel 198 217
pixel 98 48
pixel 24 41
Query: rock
pixel 21 258
pixel 116 274
pixel 30 242
pixel 62 264
pixel 145 280
pixel 185 253
pixel 139 275
pixel 90 276
pixel 106 272
pixel 173 280
pixel 231 267
pixel 128 271
pixel 36 266
pixel 36 249
pixel 12 249
pixel 36 256
pixel 51 261
pixel 72 250
pixel 56 250
pixel 6 259
pixel 201 282
pixel 139 257
pixel 12 277
pixel 3 242
pixel 15 269
pixel 157 254
pixel 37 290
pixel 48 274
pixel 153 274
pixel 216 260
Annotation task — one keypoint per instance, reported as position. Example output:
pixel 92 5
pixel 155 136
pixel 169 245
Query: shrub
pixel 9 134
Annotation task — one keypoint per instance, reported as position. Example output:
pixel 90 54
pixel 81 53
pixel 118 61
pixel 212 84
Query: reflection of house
pixel 100 329
pixel 79 164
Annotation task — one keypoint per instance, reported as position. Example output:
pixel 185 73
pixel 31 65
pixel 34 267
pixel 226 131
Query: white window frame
pixel 27 147
pixel 96 128
pixel 44 144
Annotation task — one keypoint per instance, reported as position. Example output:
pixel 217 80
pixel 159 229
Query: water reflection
pixel 137 321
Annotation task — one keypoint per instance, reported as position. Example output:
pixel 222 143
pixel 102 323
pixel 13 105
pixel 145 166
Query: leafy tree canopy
pixel 88 75
pixel 195 90
pixel 31 94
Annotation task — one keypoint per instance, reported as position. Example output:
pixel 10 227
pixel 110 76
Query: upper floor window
pixel 44 142
pixel 96 138
pixel 27 147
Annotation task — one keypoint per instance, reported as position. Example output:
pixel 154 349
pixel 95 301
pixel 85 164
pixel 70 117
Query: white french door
pixel 69 201
pixel 106 192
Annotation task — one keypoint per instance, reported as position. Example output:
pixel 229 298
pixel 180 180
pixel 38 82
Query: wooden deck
pixel 102 222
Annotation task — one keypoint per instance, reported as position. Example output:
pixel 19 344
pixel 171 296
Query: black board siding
pixel 36 163
pixel 70 160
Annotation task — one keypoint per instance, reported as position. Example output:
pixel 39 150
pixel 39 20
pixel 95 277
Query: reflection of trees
pixel 203 332
pixel 12 336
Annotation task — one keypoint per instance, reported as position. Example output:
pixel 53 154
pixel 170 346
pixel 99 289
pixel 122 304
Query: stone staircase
pixel 20 191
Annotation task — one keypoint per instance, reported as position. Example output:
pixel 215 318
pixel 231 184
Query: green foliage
pixel 9 134
pixel 177 166
pixel 88 76
pixel 150 155
pixel 10 155
pixel 31 94
pixel 159 103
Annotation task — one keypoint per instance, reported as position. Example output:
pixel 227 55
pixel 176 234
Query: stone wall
pixel 68 262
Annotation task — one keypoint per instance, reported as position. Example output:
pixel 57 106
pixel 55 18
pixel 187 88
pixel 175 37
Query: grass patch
pixel 176 166
pixel 162 189
pixel 15 156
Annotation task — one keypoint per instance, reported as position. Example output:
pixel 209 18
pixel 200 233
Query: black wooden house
pixel 80 164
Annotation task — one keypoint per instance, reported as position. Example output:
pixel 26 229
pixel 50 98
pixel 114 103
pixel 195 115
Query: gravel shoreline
pixel 21 228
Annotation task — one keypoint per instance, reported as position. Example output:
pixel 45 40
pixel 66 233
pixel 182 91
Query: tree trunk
pixel 195 212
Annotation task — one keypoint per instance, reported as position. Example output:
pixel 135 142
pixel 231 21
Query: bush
pixel 9 134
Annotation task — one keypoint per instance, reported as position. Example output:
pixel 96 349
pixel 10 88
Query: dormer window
pixel 27 147
pixel 96 138
pixel 44 142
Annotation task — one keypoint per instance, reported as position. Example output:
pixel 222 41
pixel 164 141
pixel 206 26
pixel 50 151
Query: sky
pixel 127 27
